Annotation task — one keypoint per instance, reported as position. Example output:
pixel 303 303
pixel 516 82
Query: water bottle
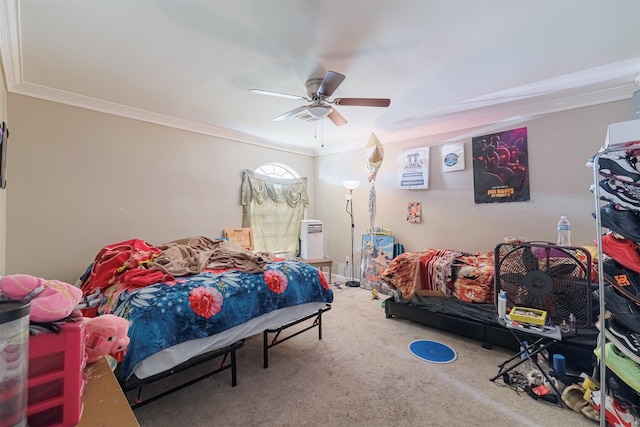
pixel 572 322
pixel 502 304
pixel 564 232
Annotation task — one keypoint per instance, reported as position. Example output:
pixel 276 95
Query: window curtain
pixel 273 208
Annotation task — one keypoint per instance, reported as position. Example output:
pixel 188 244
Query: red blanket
pixel 442 272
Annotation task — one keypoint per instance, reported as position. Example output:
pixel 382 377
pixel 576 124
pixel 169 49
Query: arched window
pixel 277 170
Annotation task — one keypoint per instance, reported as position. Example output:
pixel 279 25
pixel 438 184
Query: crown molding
pixel 94 104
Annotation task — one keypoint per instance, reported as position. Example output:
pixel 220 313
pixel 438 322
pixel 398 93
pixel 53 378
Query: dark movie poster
pixel 501 167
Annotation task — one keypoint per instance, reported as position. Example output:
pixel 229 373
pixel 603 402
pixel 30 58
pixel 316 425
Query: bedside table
pixel 319 264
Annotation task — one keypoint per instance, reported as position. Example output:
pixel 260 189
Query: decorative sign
pixel 501 167
pixel 413 212
pixel 453 157
pixel 414 169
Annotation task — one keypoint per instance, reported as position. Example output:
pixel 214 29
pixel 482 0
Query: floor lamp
pixel 350 186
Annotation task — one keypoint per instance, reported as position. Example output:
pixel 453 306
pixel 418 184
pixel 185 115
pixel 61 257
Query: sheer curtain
pixel 273 208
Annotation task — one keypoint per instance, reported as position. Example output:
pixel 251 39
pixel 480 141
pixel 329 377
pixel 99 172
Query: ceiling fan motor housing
pixel 312 86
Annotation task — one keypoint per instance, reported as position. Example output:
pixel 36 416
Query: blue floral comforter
pixel 168 313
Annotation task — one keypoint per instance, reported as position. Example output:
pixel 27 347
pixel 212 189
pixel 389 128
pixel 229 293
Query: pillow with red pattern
pixel 50 300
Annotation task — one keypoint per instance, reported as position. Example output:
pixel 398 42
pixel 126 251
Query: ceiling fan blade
pixel 290 113
pixel 363 102
pixel 280 94
pixel 330 83
pixel 336 118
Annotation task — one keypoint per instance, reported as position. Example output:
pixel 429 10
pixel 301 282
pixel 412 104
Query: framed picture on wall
pixel 413 169
pixel 377 254
pixel 453 157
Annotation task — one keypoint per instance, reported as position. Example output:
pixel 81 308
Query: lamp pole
pixel 350 186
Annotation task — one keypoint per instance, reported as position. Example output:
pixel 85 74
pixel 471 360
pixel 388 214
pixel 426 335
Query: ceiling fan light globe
pixel 319 111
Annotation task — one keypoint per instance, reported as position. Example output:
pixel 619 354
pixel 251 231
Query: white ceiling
pixel 450 68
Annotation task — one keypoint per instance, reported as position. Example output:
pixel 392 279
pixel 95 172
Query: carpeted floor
pixel 360 374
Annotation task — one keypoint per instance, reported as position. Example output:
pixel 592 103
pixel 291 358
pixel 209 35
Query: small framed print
pixel 453 157
pixel 413 212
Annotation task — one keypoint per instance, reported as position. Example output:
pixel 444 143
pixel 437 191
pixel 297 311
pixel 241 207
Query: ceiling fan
pixel 318 93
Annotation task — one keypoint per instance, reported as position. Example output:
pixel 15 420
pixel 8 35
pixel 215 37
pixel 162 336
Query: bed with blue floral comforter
pixel 178 309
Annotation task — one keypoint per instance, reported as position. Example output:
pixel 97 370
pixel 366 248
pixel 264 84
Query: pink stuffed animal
pixel 106 334
pixel 50 300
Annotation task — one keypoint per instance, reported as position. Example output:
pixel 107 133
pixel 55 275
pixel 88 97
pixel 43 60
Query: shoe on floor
pixel 625 281
pixel 616 191
pixel 620 164
pixel 621 365
pixel 590 413
pixel 622 250
pixel 616 414
pixel 572 396
pixel 622 221
pixel 625 311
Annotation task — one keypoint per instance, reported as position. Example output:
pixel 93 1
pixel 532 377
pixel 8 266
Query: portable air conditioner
pixel 311 239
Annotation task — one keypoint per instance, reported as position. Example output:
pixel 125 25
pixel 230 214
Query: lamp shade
pixel 350 185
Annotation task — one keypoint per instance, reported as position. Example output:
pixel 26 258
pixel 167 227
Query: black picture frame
pixel 4 138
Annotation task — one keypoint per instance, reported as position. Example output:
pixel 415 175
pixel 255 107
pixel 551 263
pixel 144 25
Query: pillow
pixel 50 300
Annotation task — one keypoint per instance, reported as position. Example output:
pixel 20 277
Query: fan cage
pixel 544 276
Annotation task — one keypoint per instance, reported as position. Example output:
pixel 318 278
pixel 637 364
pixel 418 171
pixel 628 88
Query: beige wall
pixel 3 193
pixel 559 145
pixel 82 179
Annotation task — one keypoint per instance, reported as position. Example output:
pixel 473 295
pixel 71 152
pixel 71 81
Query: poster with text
pixel 413 169
pixel 501 167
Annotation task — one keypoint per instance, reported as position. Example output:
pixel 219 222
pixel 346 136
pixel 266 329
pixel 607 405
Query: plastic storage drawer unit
pixel 56 376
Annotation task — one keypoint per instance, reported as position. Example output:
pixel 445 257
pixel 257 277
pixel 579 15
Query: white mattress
pixel 180 353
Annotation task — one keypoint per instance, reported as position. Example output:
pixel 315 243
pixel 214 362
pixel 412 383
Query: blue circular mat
pixel 432 351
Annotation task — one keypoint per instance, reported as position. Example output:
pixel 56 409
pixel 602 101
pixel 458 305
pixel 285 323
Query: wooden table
pixel 319 264
pixel 104 402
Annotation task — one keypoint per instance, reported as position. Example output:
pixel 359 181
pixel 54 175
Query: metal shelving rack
pixel 625 133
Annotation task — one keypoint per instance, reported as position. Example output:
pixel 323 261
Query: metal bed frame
pixel 317 322
pixel 135 383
